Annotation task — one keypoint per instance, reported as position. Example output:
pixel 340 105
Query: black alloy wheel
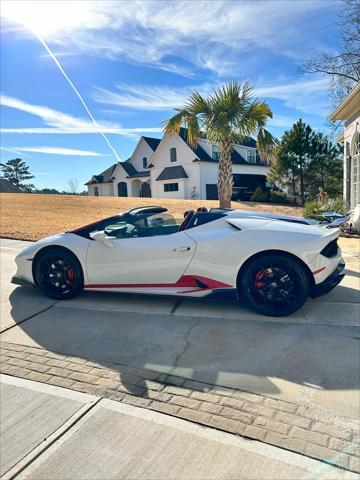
pixel 58 274
pixel 275 285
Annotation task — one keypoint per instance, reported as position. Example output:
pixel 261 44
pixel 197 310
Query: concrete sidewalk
pixel 50 433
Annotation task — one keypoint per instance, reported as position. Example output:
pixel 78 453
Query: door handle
pixel 182 249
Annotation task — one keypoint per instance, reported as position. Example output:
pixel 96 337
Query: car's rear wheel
pixel 58 273
pixel 274 285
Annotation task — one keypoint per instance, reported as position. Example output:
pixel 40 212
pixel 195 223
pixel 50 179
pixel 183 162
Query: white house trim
pixel 349 112
pixel 196 177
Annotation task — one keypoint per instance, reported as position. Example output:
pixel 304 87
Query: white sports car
pixel 272 262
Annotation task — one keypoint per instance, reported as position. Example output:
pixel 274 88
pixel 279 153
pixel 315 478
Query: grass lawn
pixel 30 217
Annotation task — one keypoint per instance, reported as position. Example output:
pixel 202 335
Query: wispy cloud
pixel 12 150
pixel 148 97
pixel 203 34
pixel 62 151
pixel 306 95
pixel 62 123
pixel 129 132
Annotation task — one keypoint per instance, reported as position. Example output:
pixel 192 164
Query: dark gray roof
pixel 248 142
pixel 103 177
pixel 172 173
pixel 152 142
pixel 141 174
pixel 236 157
pixel 7 187
pixel 129 168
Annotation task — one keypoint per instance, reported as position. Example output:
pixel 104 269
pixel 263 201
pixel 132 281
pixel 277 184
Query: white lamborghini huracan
pixel 272 262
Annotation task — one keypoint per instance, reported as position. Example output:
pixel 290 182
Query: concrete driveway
pixel 310 357
pixel 51 433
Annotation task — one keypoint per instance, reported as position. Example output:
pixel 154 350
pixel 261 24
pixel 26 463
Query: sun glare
pixel 47 18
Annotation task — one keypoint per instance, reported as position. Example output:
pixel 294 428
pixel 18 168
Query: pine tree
pixel 305 161
pixel 292 159
pixel 16 171
pixel 326 166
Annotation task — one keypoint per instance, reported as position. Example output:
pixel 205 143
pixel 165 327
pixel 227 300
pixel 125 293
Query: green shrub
pixel 268 196
pixel 259 196
pixel 314 209
pixel 277 197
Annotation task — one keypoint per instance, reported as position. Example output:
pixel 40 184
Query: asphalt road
pixel 50 433
pixel 310 357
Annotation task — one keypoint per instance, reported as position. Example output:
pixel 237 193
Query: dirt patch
pixel 31 217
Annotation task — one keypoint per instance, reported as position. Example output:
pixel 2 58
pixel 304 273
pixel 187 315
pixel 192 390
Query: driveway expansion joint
pixel 49 441
pixel 283 424
pixel 29 318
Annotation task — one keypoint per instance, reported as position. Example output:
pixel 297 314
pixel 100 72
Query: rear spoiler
pixel 337 222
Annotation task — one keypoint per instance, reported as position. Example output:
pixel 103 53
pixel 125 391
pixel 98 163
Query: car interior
pixel 149 222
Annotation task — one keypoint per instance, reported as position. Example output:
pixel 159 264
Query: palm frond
pixel 266 144
pixel 173 124
pixel 197 104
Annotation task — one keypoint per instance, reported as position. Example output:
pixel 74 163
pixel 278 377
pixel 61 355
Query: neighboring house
pixel 7 187
pixel 171 168
pixel 349 112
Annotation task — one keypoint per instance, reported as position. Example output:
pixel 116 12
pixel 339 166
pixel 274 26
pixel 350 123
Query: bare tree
pixel 343 68
pixel 73 186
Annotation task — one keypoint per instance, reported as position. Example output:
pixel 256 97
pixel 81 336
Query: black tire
pixel 274 285
pixel 58 273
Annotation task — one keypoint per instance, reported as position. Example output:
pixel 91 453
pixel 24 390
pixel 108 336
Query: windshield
pixel 130 225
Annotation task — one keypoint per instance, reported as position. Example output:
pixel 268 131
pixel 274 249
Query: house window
pixel 215 153
pixel 355 171
pixel 96 191
pixel 251 156
pixel 356 144
pixel 144 162
pixel 172 154
pixel 171 187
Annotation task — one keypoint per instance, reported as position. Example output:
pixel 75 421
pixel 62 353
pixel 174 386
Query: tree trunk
pixel 302 189
pixel 225 178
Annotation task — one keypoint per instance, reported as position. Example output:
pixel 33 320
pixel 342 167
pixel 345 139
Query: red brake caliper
pixel 260 276
pixel 70 274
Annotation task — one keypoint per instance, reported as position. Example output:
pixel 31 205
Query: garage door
pixel 211 191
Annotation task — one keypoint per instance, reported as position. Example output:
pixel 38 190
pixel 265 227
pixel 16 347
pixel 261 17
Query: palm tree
pixel 227 116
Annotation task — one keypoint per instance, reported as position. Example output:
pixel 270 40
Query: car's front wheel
pixel 58 273
pixel 274 285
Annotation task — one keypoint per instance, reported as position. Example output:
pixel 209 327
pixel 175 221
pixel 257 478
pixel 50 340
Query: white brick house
pixel 349 112
pixel 171 168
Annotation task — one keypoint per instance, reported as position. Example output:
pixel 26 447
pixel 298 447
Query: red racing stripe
pixel 184 282
pixel 318 271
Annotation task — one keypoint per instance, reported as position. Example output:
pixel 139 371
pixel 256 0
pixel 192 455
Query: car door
pixel 143 262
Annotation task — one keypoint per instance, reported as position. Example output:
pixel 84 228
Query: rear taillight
pixel 331 249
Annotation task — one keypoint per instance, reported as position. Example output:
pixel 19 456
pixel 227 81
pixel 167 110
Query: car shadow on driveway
pixel 267 357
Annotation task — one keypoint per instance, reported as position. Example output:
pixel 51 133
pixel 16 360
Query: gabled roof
pixel 152 142
pixel 128 167
pixel 203 156
pixel 172 173
pixel 107 175
pixel 103 177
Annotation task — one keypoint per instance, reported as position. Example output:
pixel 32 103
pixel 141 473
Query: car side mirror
pixel 101 238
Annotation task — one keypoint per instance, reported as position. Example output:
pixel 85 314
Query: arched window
pixel 356 144
pixel 172 154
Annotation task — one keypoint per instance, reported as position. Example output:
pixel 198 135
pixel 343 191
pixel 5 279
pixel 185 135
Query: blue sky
pixel 133 62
